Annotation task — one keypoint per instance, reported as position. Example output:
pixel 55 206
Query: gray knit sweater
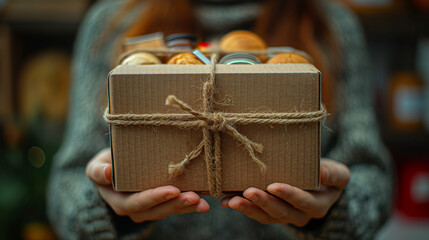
pixel 77 211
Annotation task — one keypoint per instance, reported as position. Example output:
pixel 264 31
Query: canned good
pixel 142 58
pixel 240 58
pixel 182 41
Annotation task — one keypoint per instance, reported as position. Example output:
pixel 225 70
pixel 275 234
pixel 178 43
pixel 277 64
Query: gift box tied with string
pixel 215 129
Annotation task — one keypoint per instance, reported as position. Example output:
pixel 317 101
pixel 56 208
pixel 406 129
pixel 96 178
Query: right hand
pixel 152 204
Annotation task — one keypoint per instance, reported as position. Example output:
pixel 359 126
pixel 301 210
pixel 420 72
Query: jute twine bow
pixel 212 123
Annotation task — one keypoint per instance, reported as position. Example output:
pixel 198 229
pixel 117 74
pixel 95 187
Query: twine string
pixel 212 123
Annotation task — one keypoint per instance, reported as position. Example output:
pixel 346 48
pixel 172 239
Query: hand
pixel 290 205
pixel 153 204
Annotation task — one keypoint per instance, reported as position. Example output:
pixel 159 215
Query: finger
pixel 163 210
pixel 99 172
pixel 108 173
pixel 315 204
pixel 224 202
pixel 202 206
pixel 186 210
pixel 250 209
pixel 275 207
pixel 152 197
pixel 104 156
pixel 334 174
pixel 124 204
pixel 113 199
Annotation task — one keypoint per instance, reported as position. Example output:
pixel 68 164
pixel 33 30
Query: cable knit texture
pixel 77 211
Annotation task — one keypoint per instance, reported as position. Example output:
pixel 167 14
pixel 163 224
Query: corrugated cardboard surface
pixel 141 154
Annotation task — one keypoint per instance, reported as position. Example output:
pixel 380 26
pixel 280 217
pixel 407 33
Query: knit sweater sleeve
pixel 75 208
pixel 366 201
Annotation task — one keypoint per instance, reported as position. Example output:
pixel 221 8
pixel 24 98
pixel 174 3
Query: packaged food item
pixel 240 58
pixel 185 58
pixel 182 41
pixel 141 59
pixel 287 58
pixel 240 40
pixel 147 41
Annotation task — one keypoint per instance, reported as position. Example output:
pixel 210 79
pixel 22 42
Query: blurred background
pixel 36 43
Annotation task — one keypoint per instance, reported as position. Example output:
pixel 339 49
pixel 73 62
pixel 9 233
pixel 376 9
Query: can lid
pixel 188 36
pixel 240 58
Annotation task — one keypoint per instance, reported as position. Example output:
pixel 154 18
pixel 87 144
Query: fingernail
pixel 188 202
pixel 169 196
pixel 198 209
pixel 254 198
pixel 105 172
pixel 274 189
pixel 325 174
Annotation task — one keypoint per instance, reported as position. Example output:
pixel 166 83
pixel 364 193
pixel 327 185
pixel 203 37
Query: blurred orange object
pixel 204 46
pixel 37 231
pixel 406 101
pixel 43 87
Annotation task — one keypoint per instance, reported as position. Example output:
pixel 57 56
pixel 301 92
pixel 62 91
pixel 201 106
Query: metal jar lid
pixel 182 40
pixel 188 36
pixel 240 58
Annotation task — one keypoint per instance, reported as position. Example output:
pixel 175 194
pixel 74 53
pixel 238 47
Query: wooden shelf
pixel 46 10
pixel 45 15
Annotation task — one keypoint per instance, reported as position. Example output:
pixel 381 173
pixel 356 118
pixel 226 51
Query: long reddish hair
pixel 297 23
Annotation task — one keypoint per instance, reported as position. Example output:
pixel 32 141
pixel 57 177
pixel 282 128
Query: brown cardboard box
pixel 141 154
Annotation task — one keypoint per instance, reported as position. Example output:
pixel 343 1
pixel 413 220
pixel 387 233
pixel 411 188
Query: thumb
pixel 99 170
pixel 334 174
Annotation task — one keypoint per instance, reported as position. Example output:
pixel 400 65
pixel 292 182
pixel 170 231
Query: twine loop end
pixel 175 170
pixel 171 100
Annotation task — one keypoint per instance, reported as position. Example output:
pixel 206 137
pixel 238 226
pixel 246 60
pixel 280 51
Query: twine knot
pixel 218 122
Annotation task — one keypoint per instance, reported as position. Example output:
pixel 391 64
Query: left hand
pixel 290 205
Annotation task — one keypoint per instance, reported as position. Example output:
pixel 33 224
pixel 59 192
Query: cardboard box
pixel 141 154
